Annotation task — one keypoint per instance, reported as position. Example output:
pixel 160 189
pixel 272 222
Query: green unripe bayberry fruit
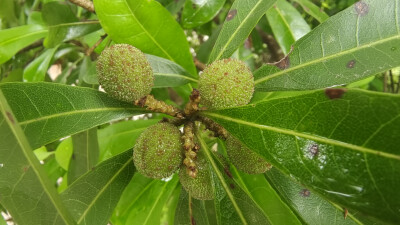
pixel 226 83
pixel 200 187
pixel 243 158
pixel 125 73
pixel 158 151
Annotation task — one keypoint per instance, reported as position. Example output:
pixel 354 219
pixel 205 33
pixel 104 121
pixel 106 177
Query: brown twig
pixel 159 106
pixel 86 4
pixel 190 149
pixel 218 130
pixel 199 65
pixel 32 46
pixel 91 49
pixel 272 45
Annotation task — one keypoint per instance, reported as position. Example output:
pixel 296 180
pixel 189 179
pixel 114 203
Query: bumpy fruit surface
pixel 200 187
pixel 243 158
pixel 158 151
pixel 124 72
pixel 226 83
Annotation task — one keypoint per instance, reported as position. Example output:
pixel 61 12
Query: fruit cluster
pixel 125 73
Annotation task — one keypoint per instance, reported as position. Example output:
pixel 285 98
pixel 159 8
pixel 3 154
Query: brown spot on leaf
pixel 314 149
pixel 194 6
pixel 345 212
pixel 192 221
pixel 334 93
pixel 228 172
pixel 25 169
pixel 351 64
pixel 284 63
pixel 361 8
pixel 232 186
pixel 305 193
pixel 232 13
pixel 10 117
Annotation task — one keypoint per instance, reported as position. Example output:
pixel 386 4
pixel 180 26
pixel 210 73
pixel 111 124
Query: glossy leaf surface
pixel 342 50
pixel 143 200
pixel 148 26
pixel 48 111
pixel 25 189
pixel 232 204
pixel 92 198
pixel 343 145
pixel 240 21
pixel 14 39
pixel 196 13
pixel 287 24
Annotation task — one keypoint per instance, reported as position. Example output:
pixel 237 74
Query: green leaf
pixel 87 72
pixel 14 39
pixel 63 24
pixel 240 21
pixel 48 111
pixel 85 154
pixel 232 204
pixel 42 153
pixel 340 50
pixel 190 209
pixel 355 134
pixel 196 13
pixel 287 24
pixel 121 136
pixel 37 69
pixel 258 188
pixel 143 200
pixel 313 10
pixel 64 152
pixel 25 189
pixel 168 73
pixel 312 208
pixel 148 26
pixel 92 198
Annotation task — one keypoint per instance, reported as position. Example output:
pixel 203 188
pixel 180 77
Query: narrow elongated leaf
pixel 262 192
pixel 143 201
pixel 340 50
pixel 14 39
pixel 85 154
pixel 63 24
pixel 232 204
pixel 48 111
pixel 341 144
pixel 190 209
pixel 168 73
pixel 287 24
pixel 91 199
pixel 196 13
pixel 121 136
pixel 25 190
pixel 37 69
pixel 313 10
pixel 240 21
pixel 147 25
pixel 311 207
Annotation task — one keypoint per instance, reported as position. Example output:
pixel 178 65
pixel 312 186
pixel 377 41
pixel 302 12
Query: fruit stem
pixel 86 4
pixel 159 106
pixel 190 149
pixel 218 130
pixel 193 105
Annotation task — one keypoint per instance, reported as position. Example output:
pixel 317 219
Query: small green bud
pixel 198 181
pixel 125 73
pixel 226 83
pixel 243 158
pixel 158 151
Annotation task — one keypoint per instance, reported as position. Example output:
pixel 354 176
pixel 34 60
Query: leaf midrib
pixel 27 122
pixel 222 180
pixel 31 160
pixel 307 136
pixel 74 24
pixel 103 189
pixel 237 29
pixel 321 59
pixel 22 36
pixel 147 33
